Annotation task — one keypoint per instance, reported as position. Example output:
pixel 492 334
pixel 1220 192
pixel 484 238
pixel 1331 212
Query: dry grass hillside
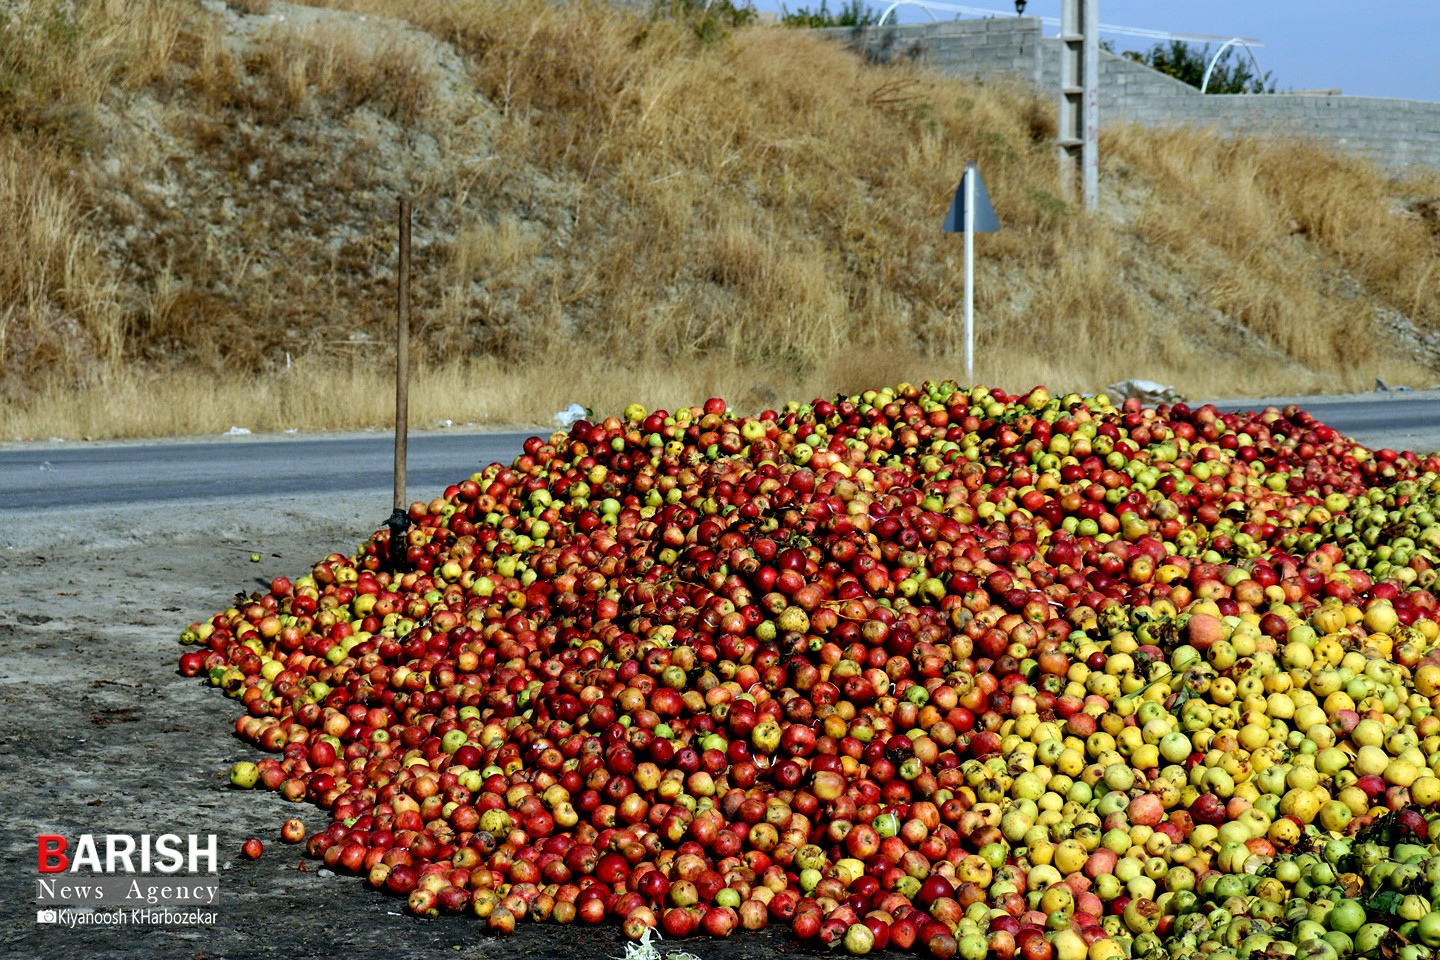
pixel 200 198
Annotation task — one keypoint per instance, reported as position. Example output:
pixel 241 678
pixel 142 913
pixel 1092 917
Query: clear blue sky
pixel 1385 49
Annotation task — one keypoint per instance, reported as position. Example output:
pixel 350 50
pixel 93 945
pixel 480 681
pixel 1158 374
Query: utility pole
pixel 1080 99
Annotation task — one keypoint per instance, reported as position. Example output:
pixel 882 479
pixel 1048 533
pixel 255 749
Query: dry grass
pixel 1268 212
pixel 313 395
pixel 610 208
pixel 58 56
pixel 307 68
pixel 726 204
pixel 58 307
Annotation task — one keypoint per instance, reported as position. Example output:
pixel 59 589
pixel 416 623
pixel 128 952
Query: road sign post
pixel 971 213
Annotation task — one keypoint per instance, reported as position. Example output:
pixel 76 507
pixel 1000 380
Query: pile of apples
pixel 924 668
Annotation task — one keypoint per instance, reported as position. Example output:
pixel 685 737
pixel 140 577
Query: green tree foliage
pixel 852 13
pixel 709 20
pixel 1234 72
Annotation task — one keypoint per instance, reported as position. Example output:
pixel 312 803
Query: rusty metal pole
pixel 402 357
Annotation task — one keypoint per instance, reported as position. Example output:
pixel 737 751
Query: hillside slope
pixel 610 206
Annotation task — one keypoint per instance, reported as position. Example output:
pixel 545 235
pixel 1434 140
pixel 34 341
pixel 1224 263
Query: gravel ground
pixel 102 736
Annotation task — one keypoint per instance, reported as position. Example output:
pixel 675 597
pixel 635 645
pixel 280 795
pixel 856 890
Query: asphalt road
pixel 59 476
pixel 56 475
pixel 1402 420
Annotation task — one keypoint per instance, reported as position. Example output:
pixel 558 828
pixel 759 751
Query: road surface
pixel 68 476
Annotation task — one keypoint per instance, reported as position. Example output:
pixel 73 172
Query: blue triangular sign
pixel 985 219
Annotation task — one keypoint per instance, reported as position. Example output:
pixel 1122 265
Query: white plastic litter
pixel 237 432
pixel 568 417
pixel 646 949
pixel 1146 391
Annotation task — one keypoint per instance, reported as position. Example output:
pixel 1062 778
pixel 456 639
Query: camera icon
pixel 46 916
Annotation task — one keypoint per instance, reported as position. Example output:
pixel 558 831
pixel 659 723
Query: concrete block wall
pixel 969 48
pixel 1394 133
pixel 1123 82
